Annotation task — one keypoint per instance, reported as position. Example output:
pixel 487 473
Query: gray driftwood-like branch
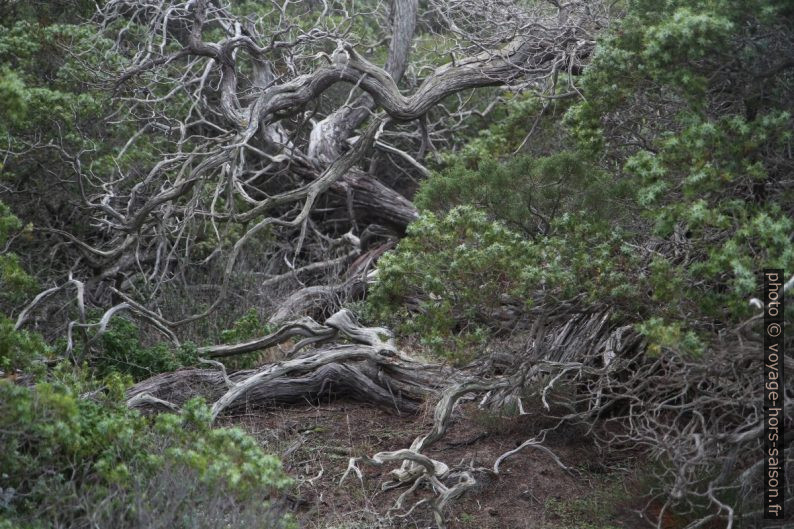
pixel 371 370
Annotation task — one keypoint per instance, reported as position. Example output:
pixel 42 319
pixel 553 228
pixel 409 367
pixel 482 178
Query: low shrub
pixel 450 279
pixel 120 351
pixel 76 462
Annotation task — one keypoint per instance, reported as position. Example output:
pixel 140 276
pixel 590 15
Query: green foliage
pixel 523 124
pixel 663 335
pixel 712 168
pixel 247 327
pixel 504 226
pixel 707 165
pixel 47 11
pixel 663 193
pixel 15 283
pixel 47 82
pixel 53 95
pixel 21 350
pixel 459 266
pixel 67 460
pixel 462 268
pixel 120 351
pixel 12 97
pixel 525 192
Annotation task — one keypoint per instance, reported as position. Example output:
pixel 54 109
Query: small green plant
pixel 672 336
pixel 248 327
pixel 495 422
pixel 15 283
pixel 21 350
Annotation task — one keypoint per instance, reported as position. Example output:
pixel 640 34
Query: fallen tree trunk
pixel 395 389
pixel 371 370
pixel 375 202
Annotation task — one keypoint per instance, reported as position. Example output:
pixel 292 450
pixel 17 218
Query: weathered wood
pixel 370 370
pixel 317 298
pixel 328 136
pixel 327 382
pixel 375 202
pixel 305 327
pixel 357 372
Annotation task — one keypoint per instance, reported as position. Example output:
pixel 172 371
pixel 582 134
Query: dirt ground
pixel 531 491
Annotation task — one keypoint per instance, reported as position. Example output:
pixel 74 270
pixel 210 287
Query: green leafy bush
pixel 120 351
pixel 74 462
pixel 662 193
pixel 706 149
pixel 526 193
pixel 456 267
pixel 448 280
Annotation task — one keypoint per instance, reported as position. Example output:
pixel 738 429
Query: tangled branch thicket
pixel 186 160
pixel 250 124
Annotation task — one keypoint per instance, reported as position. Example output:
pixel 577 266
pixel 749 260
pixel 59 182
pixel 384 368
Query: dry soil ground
pixel 531 492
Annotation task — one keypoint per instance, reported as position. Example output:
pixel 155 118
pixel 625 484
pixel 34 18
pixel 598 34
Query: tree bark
pixel 328 136
pixel 370 369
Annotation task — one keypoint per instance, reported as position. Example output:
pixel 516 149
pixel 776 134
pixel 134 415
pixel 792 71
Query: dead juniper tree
pixel 271 135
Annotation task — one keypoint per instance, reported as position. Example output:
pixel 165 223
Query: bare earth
pixel 531 491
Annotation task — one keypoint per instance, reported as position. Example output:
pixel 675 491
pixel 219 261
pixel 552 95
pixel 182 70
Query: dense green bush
pixel 526 193
pixel 69 461
pixel 505 221
pixel 75 456
pixel 685 133
pixel 706 146
pixel 450 277
pixel 456 267
pixel 120 351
